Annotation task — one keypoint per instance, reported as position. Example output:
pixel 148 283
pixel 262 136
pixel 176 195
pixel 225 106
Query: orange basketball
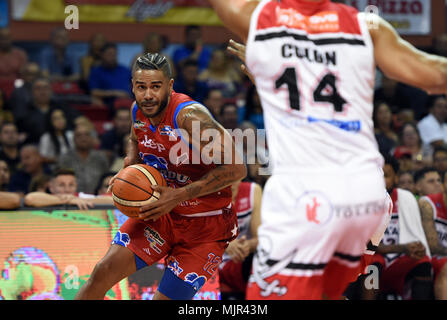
pixel 132 188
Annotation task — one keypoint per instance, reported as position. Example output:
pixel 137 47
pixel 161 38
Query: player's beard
pixel 162 106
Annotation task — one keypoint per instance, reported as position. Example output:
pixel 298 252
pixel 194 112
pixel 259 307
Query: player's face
pixel 152 90
pixel 406 182
pixel 63 184
pixel 430 184
pixel 390 177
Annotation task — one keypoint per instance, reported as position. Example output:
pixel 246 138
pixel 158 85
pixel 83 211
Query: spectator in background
pixel 34 123
pixel 220 75
pixel 188 82
pixel 58 139
pixel 21 96
pixel 427 181
pixel 12 59
pixel 5 176
pixel 192 49
pixel 253 108
pixel 228 116
pixel 118 162
pixel 57 62
pixel 155 43
pixel 214 101
pixel 93 57
pixel 9 143
pixel 440 45
pixel 31 165
pixel 62 187
pixel 112 141
pixel 8 200
pixel 5 114
pixel 40 183
pixel 402 256
pixel 83 120
pixel 401 96
pixel 103 186
pixel 384 133
pixel 109 80
pixel 406 181
pixel 89 164
pixel 440 159
pixel 411 143
pixel 433 128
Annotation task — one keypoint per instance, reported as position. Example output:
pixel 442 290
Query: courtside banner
pixel 177 12
pixel 49 255
pixel 409 17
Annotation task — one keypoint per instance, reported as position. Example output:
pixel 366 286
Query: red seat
pixel 94 112
pixel 102 126
pixel 7 87
pixel 123 103
pixel 66 87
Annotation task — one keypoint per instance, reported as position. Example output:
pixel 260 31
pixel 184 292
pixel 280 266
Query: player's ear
pixel 171 84
pixel 132 81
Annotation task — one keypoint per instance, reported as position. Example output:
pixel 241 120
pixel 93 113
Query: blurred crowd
pixel 65 121
pixel 63 112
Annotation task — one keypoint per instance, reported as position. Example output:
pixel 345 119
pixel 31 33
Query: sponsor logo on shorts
pixel 264 267
pixel 317 207
pixel 174 266
pixel 121 239
pixel 195 280
pixel 154 238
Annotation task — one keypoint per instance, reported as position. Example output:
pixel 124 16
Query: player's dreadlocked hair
pixel 153 61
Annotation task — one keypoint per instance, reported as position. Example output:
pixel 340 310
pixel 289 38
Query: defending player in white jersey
pixel 314 67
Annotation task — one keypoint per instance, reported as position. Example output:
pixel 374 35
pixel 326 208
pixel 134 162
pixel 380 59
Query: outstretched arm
pixel 235 15
pixel 401 61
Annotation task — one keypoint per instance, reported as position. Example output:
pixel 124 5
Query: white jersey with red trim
pixel 314 68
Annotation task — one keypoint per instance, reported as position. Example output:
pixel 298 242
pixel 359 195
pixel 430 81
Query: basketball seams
pixel 149 176
pixel 130 203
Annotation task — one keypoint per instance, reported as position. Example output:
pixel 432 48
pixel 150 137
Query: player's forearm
pixel 392 248
pixel 132 152
pixel 438 250
pixel 436 80
pixel 215 180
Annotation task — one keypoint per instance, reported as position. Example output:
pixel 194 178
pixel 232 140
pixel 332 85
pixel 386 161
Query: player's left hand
pixel 169 199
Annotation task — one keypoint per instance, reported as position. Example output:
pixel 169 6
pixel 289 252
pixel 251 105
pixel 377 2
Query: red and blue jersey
pixel 165 148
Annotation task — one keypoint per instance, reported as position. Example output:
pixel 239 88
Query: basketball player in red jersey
pixel 192 222
pixel 434 220
pixel 313 63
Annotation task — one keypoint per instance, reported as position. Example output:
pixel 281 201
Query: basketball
pixel 132 188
